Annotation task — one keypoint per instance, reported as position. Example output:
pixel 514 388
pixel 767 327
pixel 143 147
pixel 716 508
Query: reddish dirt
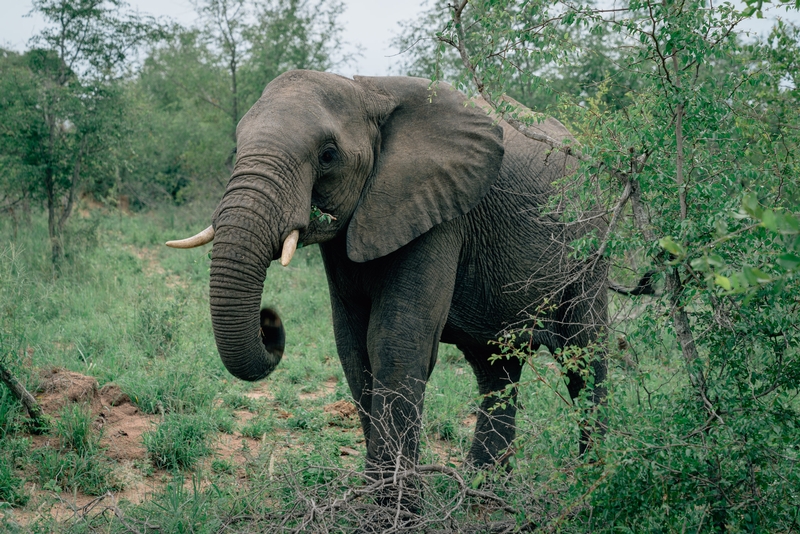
pixel 122 426
pixel 328 387
pixel 121 423
pixel 342 409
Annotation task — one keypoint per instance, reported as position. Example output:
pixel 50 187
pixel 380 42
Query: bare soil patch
pixel 122 424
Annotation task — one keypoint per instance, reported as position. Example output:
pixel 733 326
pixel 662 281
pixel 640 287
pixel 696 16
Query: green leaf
pixel 789 261
pixel 769 220
pixel 712 261
pixel 788 224
pixel 752 207
pixel 723 281
pixel 668 244
pixel 756 276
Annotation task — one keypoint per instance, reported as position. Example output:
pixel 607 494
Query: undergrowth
pixel 125 309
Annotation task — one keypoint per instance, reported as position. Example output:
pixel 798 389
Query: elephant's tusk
pixel 206 236
pixel 289 246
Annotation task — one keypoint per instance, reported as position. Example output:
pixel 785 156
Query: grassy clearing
pixel 126 310
pixel 219 453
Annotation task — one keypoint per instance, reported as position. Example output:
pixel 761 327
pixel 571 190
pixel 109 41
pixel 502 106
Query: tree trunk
pixel 56 251
pixel 35 412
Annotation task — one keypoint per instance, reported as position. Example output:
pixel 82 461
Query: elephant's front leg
pixel 410 304
pixel 350 323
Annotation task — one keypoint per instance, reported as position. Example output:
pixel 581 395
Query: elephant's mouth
pixel 207 236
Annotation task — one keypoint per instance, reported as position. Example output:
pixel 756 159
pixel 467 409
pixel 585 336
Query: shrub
pixel 178 441
pixel 75 432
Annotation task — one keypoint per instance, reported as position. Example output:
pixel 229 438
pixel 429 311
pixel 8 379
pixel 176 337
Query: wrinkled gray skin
pixel 437 238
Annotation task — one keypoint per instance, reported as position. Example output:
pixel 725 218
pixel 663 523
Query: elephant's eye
pixel 327 156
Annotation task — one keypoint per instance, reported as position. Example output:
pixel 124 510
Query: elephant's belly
pixel 486 306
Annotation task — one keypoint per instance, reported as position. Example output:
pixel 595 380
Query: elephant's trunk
pixel 250 343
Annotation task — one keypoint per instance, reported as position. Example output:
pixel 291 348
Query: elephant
pixel 429 217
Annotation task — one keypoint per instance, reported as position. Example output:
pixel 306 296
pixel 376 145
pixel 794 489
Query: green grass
pixel 13 452
pixel 179 441
pixel 75 432
pixel 258 427
pixel 126 309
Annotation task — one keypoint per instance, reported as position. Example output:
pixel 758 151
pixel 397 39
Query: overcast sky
pixel 368 23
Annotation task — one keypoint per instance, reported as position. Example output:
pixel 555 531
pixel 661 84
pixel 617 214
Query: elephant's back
pixel 514 262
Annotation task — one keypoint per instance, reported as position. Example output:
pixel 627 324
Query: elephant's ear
pixel 439 155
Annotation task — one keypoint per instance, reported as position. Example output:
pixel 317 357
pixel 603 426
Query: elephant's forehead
pixel 308 89
pixel 308 106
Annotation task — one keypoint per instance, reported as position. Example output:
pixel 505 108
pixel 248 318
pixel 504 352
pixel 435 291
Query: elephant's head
pixel 382 159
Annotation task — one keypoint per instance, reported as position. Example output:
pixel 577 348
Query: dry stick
pixel 397 480
pixel 27 400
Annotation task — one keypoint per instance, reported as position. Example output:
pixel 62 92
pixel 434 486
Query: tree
pixel 62 108
pixel 533 78
pixel 195 87
pixel 254 46
pixel 695 166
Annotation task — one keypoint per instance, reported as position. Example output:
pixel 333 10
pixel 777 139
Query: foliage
pixel 589 68
pixel 258 427
pixel 195 86
pixel 62 109
pixel 67 470
pixel 75 431
pixel 687 139
pixel 12 453
pixel 156 323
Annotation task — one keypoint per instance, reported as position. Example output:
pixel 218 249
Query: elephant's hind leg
pixel 496 428
pixel 582 324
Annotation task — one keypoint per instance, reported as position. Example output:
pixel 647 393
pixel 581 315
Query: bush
pixel 257 427
pixel 178 441
pixel 90 473
pixel 11 485
pixel 156 323
pixel 75 430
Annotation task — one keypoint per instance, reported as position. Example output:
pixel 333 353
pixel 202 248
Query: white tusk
pixel 206 236
pixel 289 246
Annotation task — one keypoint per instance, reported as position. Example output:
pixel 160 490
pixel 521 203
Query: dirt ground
pixel 122 425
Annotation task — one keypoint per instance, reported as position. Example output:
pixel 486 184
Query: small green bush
pixel 221 466
pixel 11 485
pixel 157 320
pixel 286 395
pixel 238 401
pixel 10 413
pixel 75 432
pixel 257 427
pixel 90 473
pixel 170 389
pixel 178 441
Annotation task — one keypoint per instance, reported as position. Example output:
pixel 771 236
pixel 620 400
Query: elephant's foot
pixel 397 489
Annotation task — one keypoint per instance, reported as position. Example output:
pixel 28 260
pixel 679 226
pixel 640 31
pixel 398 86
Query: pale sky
pixel 368 23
